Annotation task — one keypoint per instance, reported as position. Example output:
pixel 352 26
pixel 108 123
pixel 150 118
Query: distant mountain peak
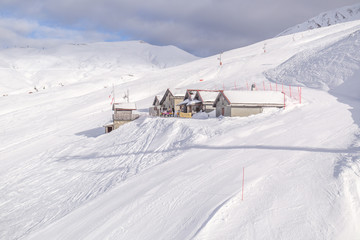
pixel 325 19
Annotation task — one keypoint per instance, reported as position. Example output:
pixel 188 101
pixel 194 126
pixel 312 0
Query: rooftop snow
pixel 254 97
pixel 208 96
pixel 126 106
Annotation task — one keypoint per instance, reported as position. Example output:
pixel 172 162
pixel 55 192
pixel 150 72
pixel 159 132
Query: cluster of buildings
pixel 185 103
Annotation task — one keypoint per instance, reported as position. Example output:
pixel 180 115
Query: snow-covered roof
pixel 186 101
pixel 193 102
pixel 178 92
pixel 125 106
pixel 254 97
pixel 208 96
pixel 158 98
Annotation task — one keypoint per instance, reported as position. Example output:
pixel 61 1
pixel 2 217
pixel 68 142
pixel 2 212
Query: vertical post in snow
pixel 247 86
pixel 242 191
pixel 264 85
pixel 112 95
pixel 290 90
pixel 219 58
pixel 284 100
pixel 235 85
pixel 114 92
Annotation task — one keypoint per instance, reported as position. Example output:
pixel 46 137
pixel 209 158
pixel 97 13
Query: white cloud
pixel 22 32
pixel 202 26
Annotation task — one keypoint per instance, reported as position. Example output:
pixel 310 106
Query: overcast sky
pixel 201 27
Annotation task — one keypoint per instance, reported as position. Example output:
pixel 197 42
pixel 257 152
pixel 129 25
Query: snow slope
pixel 325 19
pixel 168 178
pixel 93 63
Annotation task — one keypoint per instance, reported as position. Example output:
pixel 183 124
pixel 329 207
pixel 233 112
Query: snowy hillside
pixel 22 69
pixel 171 178
pixel 325 19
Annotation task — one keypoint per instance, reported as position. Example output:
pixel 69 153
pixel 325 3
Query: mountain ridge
pixel 30 68
pixel 325 19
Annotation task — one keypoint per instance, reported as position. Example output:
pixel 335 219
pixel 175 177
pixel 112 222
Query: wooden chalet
pixel 246 103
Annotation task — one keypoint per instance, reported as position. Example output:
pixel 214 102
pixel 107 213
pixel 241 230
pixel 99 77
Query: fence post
pixel 284 100
pixel 290 90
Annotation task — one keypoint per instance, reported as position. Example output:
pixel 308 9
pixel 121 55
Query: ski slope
pixel 96 64
pixel 168 178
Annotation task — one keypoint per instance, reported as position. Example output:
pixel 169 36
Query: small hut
pixel 122 114
pixel 246 103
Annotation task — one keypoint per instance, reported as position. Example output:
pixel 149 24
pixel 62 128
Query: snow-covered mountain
pixel 170 178
pixel 22 69
pixel 325 19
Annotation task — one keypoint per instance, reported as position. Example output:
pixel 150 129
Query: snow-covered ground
pixel 170 178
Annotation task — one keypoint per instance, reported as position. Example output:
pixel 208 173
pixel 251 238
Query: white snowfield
pixel 172 178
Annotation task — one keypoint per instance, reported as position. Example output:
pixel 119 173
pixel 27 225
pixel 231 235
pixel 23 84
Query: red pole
pixel 242 194
pixel 290 90
pixel 284 100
